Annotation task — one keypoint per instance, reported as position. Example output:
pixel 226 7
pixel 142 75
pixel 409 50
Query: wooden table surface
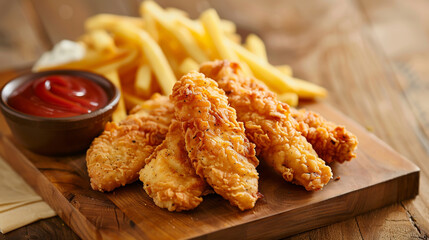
pixel 372 56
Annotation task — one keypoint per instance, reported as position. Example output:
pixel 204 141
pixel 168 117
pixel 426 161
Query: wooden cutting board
pixel 377 177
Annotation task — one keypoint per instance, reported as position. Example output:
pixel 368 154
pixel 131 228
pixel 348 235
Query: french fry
pixel 228 26
pixel 128 75
pixel 265 72
pixel 143 80
pixel 183 36
pixel 188 65
pixel 128 58
pixel 197 31
pixel 307 89
pixel 154 86
pixel 150 21
pixel 106 21
pixel 256 46
pixel 174 62
pixel 170 45
pixel 275 79
pixel 233 37
pixel 199 34
pixel 131 100
pixel 211 23
pixel 194 26
pixel 153 53
pixel 120 112
pixel 285 69
pixel 190 45
pixel 289 98
pixel 99 40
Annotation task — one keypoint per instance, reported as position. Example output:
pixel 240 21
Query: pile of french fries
pixel 146 55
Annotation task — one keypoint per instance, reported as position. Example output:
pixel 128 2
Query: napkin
pixel 19 204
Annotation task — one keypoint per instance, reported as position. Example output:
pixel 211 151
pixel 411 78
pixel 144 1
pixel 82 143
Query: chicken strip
pixel 117 155
pixel 215 141
pixel 169 177
pixel 270 125
pixel 331 142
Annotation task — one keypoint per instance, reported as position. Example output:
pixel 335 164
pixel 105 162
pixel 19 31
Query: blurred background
pixel 28 28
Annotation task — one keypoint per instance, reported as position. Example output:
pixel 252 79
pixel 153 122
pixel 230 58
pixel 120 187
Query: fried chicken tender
pixel 169 177
pixel 215 141
pixel 117 155
pixel 270 125
pixel 331 142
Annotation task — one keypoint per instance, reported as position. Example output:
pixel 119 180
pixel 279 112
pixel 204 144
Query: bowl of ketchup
pixel 58 112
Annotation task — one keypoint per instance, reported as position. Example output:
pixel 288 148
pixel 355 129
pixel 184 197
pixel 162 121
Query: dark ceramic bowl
pixel 58 136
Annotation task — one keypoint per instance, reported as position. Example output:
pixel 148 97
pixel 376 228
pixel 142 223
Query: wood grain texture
pixel 52 228
pixel 379 83
pixel 285 210
pixel 371 55
pixel 401 33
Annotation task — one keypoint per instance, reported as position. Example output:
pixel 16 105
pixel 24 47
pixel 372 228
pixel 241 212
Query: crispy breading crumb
pixel 217 145
pixel 270 125
pixel 117 155
pixel 331 142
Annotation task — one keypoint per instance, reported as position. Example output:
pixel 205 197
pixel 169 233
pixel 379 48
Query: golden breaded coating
pixel 169 177
pixel 117 155
pixel 331 142
pixel 215 141
pixel 270 126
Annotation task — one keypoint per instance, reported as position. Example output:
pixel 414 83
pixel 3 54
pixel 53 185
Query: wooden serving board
pixel 377 177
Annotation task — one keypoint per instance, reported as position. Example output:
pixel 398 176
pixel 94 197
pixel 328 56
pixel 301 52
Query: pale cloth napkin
pixel 19 204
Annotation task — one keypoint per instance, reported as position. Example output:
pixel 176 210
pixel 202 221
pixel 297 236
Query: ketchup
pixel 58 96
